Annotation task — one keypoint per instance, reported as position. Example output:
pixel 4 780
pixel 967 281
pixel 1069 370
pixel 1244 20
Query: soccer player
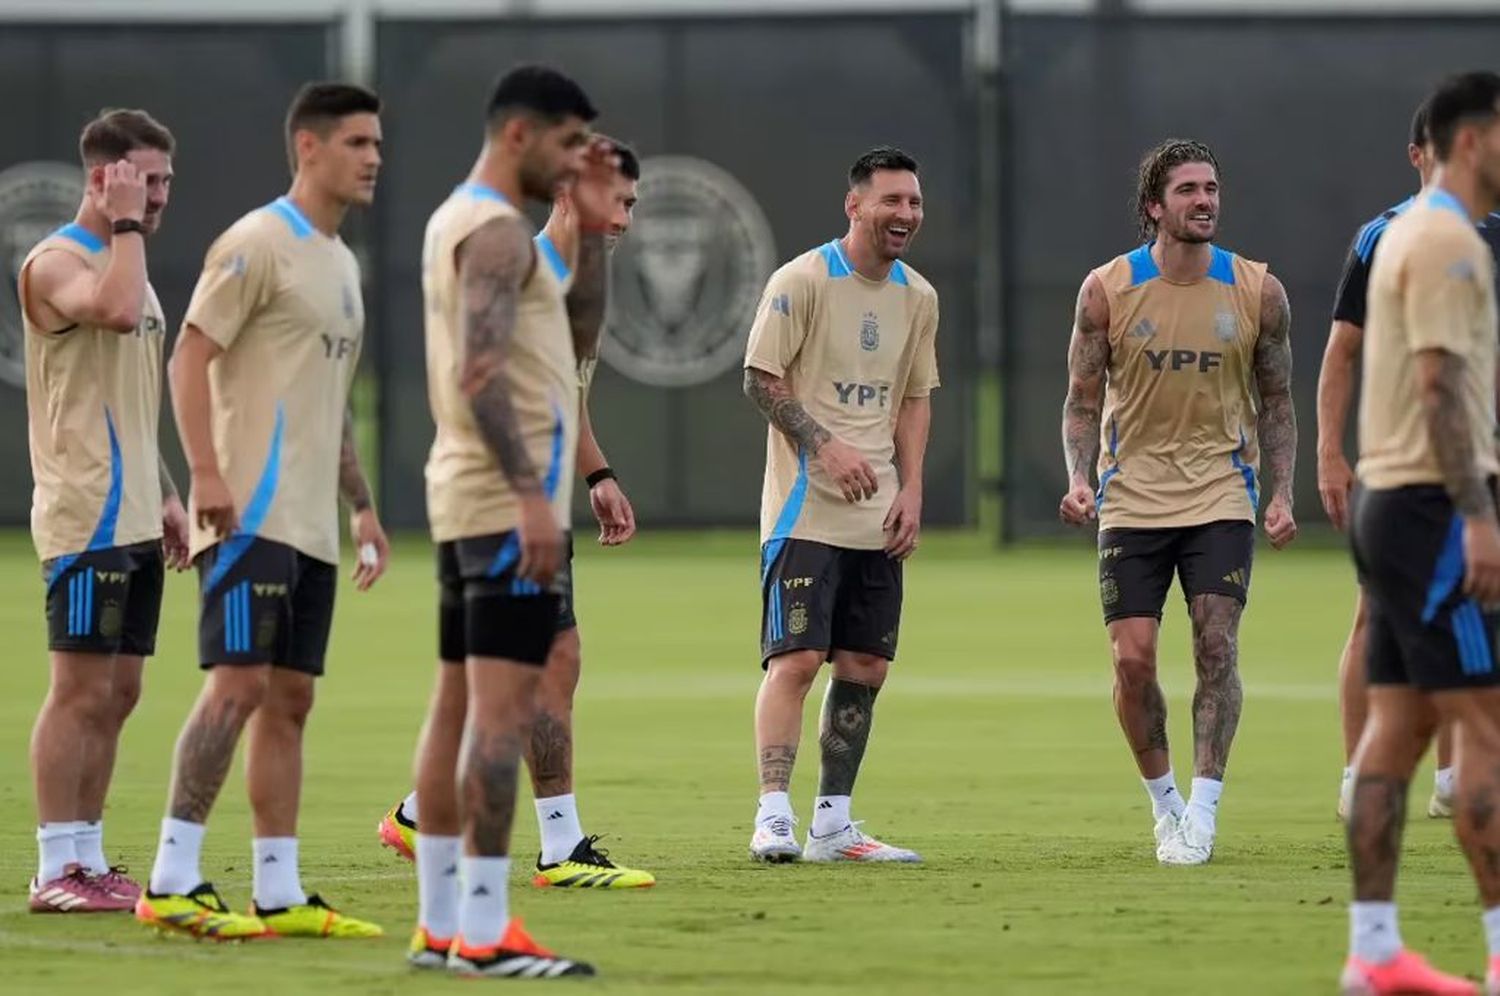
pixel 1336 479
pixel 105 515
pixel 842 362
pixel 260 382
pixel 568 858
pixel 1425 535
pixel 1171 344
pixel 503 383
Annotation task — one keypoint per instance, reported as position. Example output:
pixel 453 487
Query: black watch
pixel 128 225
pixel 602 474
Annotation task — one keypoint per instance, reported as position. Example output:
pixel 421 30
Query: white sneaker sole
pixel 777 854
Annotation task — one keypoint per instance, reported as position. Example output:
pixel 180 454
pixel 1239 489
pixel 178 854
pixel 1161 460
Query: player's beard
pixel 1183 231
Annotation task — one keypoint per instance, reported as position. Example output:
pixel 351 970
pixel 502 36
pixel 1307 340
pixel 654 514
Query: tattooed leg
pixel 549 749
pixel 1219 697
pixel 1400 726
pixel 205 749
pixel 501 708
pixel 844 728
pixel 1474 717
pixel 1139 703
pixel 778 715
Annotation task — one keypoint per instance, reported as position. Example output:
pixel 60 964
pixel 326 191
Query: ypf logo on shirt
pixel 36 199
pixel 688 277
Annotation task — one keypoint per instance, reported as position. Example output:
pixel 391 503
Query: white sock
pixel 1203 807
pixel 557 818
pixel 484 908
pixel 278 883
pixel 773 804
pixel 1164 795
pixel 437 885
pixel 408 807
pixel 176 869
pixel 1373 935
pixel 56 848
pixel 830 814
pixel 1348 773
pixel 1443 781
pixel 1491 921
pixel 89 842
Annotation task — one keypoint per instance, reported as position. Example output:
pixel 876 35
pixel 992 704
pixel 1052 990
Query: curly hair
pixel 1156 166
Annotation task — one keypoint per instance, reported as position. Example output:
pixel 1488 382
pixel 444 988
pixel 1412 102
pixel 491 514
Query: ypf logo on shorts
pixel 688 277
pixel 36 198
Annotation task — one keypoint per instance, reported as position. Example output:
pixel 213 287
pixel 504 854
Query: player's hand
pixel 592 191
pixel 214 503
pixel 541 541
pixel 1077 506
pixel 174 533
pixel 1335 482
pixel 1281 527
pixel 850 472
pixel 902 523
pixel 121 192
pixel 372 551
pixel 1482 559
pixel 612 509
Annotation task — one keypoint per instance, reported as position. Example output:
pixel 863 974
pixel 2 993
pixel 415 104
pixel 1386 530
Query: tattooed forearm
pixel 352 484
pixel 1442 375
pixel 205 751
pixel 588 297
pixel 776 767
pixel 1088 359
pixel 168 486
pixel 489 767
pixel 1273 377
pixel 773 396
pixel 1377 816
pixel 848 708
pixel 550 755
pixel 494 263
pixel 1219 696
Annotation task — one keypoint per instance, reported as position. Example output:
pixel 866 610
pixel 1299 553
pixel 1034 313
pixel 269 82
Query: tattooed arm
pixel 1440 375
pixel 1278 420
pixel 588 296
pixel 353 487
pixel 845 465
pixel 1088 361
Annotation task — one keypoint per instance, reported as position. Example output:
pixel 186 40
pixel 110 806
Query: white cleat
pixel 775 841
pixel 853 844
pixel 1190 845
pixel 1440 807
pixel 1166 830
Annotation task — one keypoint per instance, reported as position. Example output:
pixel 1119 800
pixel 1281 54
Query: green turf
pixel 996 755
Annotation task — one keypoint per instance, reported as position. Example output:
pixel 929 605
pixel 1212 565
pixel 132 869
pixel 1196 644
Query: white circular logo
pixel 35 199
pixel 687 279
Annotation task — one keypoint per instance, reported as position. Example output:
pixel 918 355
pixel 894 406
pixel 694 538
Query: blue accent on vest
pixel 1447 572
pixel 785 523
pixel 481 192
pixel 1443 200
pixel 81 235
pixel 1221 266
pixel 289 212
pixel 1369 235
pixel 233 548
pixel 554 258
pixel 1247 472
pixel 109 515
pixel 898 274
pixel 1471 632
pixel 1142 266
pixel 1109 475
pixel 510 550
pixel 833 255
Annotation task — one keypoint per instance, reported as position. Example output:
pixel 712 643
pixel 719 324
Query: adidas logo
pixel 480 890
pixel 171 841
pixel 1236 577
pixel 825 804
pixel 556 814
pixel 271 859
pixel 450 871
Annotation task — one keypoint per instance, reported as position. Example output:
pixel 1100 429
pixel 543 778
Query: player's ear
pixel 851 203
pixel 96 177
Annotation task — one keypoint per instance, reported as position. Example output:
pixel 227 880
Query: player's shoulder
pixel 805 270
pixel 256 232
pixel 905 275
pixel 1370 232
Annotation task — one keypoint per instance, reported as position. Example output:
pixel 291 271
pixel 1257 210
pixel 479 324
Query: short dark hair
pixel 541 91
pixel 1421 134
pixel 117 131
pixel 318 107
pixel 630 163
pixel 1461 100
pixel 1156 166
pixel 879 158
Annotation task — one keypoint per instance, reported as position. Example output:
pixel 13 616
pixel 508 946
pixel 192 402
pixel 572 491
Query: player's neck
pixel 94 221
pixel 864 259
pixel 494 171
pixel 325 213
pixel 1464 186
pixel 1182 262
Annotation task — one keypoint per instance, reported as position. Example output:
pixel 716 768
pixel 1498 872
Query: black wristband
pixel 602 474
pixel 125 225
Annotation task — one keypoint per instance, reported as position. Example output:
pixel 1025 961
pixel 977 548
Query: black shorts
pixel 820 597
pixel 105 601
pixel 484 610
pixel 264 602
pixel 1136 565
pixel 1422 630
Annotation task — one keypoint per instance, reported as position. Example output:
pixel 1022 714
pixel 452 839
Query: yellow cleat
pixel 398 833
pixel 200 913
pixel 315 918
pixel 426 951
pixel 590 868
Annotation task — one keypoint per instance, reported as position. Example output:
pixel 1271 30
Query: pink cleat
pixel 76 891
pixel 118 883
pixel 1408 972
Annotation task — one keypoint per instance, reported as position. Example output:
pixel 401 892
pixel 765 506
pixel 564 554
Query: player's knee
pixel 1134 667
pixel 236 692
pixel 124 696
pixel 863 669
pixel 292 702
pixel 1214 655
pixel 795 671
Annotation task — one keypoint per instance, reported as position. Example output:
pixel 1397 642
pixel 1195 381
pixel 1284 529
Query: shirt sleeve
pixel 924 374
pixel 237 278
pixel 781 323
pixel 1349 304
pixel 1444 284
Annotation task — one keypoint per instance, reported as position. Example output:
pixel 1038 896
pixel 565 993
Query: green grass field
pixel 995 754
